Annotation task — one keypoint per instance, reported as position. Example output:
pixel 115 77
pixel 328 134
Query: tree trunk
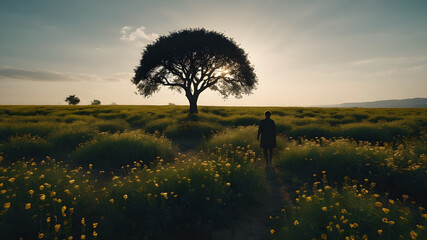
pixel 193 104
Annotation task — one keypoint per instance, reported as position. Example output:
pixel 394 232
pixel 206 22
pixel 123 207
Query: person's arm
pixel 274 129
pixel 259 130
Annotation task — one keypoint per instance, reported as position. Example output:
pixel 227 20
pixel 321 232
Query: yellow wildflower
pixel 125 196
pixel 164 194
pixel 95 225
pixel 354 225
pixel 272 231
pixel 27 206
pixel 386 210
pixel 228 184
pixel 385 220
pixel 308 199
pixel 57 227
pixel 324 209
pixel 6 205
pixel 378 204
pixel 11 180
pixel 380 231
pixel 95 234
pixel 413 234
pixel 296 222
pixel 83 237
pixel 41 235
pixel 323 236
pixel 42 197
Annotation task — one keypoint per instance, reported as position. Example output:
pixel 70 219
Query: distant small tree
pixel 192 61
pixel 72 100
pixel 96 102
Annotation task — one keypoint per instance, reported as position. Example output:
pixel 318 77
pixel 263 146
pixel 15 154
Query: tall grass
pixel 352 211
pixel 240 136
pixel 397 171
pixel 192 129
pixel 41 129
pixel 26 146
pixel 111 151
pixel 188 197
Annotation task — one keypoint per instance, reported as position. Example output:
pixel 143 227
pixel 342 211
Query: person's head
pixel 267 114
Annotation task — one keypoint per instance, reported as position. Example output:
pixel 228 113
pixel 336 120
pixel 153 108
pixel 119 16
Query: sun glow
pixel 223 72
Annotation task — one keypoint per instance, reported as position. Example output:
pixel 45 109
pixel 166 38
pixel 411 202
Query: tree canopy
pixel 72 100
pixel 192 61
pixel 95 102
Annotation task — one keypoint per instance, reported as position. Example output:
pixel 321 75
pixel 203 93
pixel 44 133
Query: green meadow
pixel 156 172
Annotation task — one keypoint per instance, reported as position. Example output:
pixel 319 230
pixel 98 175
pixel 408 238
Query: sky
pixel 305 53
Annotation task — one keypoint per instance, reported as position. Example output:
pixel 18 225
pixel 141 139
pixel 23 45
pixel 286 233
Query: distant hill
pixel 402 103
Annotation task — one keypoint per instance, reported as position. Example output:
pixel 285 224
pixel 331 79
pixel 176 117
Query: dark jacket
pixel 267 130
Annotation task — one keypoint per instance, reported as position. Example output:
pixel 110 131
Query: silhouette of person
pixel 267 130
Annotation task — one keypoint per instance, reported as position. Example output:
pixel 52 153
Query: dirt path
pixel 252 225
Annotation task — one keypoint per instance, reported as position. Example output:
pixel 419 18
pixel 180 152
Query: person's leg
pixel 265 155
pixel 271 155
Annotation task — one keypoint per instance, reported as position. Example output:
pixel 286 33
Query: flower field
pixel 193 193
pixel 155 172
pixel 353 211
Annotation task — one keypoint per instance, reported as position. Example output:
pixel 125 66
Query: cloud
pixel 138 35
pixel 10 73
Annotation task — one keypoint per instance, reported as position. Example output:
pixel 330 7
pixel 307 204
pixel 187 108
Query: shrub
pixel 193 129
pixel 372 132
pixel 311 131
pixel 240 136
pixel 117 125
pixel 245 120
pixel 41 129
pixel 113 151
pixel 26 146
pixel 137 120
pixel 283 128
pixel 159 125
pixel 67 139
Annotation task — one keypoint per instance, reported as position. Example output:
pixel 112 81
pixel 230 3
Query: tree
pixel 192 61
pixel 95 102
pixel 72 100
